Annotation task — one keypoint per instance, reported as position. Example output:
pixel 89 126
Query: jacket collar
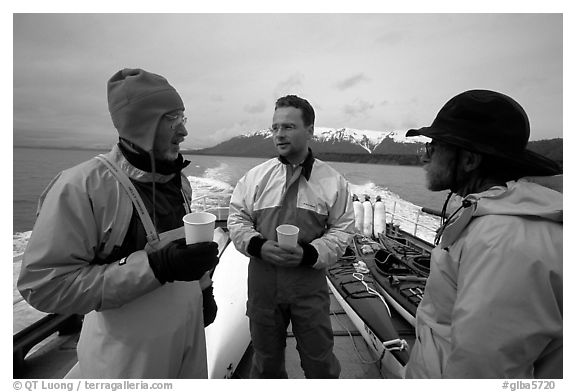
pixel 135 173
pixel 143 160
pixel 306 165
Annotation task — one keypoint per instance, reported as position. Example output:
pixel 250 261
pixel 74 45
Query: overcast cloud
pixel 379 72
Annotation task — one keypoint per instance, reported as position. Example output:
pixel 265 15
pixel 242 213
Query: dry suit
pixel 88 255
pixel 315 198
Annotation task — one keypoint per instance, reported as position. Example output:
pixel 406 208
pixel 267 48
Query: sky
pixel 367 71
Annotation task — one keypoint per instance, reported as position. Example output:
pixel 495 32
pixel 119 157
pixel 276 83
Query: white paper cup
pixel 199 227
pixel 287 236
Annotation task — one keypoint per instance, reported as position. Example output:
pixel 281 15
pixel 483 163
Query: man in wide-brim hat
pixel 493 301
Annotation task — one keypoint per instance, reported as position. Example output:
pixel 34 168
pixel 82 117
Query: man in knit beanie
pixel 108 244
pixel 137 101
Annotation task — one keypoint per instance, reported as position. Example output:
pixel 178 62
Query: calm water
pixel 34 168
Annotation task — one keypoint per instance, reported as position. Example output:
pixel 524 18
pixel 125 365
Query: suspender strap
pixel 187 205
pixel 151 234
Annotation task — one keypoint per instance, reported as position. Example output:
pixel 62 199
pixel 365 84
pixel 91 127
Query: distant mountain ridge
pixel 353 145
pixel 326 140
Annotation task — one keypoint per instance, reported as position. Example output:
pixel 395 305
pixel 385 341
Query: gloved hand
pixel 178 261
pixel 209 306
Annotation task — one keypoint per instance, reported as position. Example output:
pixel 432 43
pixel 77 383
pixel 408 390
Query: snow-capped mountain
pixel 326 140
pixel 367 139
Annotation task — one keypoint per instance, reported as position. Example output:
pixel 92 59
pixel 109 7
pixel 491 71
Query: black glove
pixel 209 306
pixel 178 261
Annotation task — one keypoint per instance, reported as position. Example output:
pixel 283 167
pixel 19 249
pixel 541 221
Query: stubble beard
pixel 436 183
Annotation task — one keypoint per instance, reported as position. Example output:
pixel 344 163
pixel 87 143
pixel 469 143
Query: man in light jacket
pixel 107 244
pixel 492 306
pixel 289 285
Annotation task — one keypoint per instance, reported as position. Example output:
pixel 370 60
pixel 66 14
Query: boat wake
pixel 19 241
pixel 202 186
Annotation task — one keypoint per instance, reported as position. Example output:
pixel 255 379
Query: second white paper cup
pixel 287 236
pixel 199 227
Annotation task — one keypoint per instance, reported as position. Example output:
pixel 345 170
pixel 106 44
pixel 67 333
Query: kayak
pixel 401 268
pixel 355 289
pixel 379 282
pixel 402 285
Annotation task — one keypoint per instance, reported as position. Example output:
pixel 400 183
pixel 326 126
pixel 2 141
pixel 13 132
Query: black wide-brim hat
pixel 489 123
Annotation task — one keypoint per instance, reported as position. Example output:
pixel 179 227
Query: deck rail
pixel 216 203
pixel 415 221
pixel 26 339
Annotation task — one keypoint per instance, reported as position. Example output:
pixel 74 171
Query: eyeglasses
pixel 429 149
pixel 178 119
pixel 280 127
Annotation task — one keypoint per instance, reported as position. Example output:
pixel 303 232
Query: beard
pixel 437 180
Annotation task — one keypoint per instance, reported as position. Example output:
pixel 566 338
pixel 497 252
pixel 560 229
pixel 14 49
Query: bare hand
pixel 274 254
